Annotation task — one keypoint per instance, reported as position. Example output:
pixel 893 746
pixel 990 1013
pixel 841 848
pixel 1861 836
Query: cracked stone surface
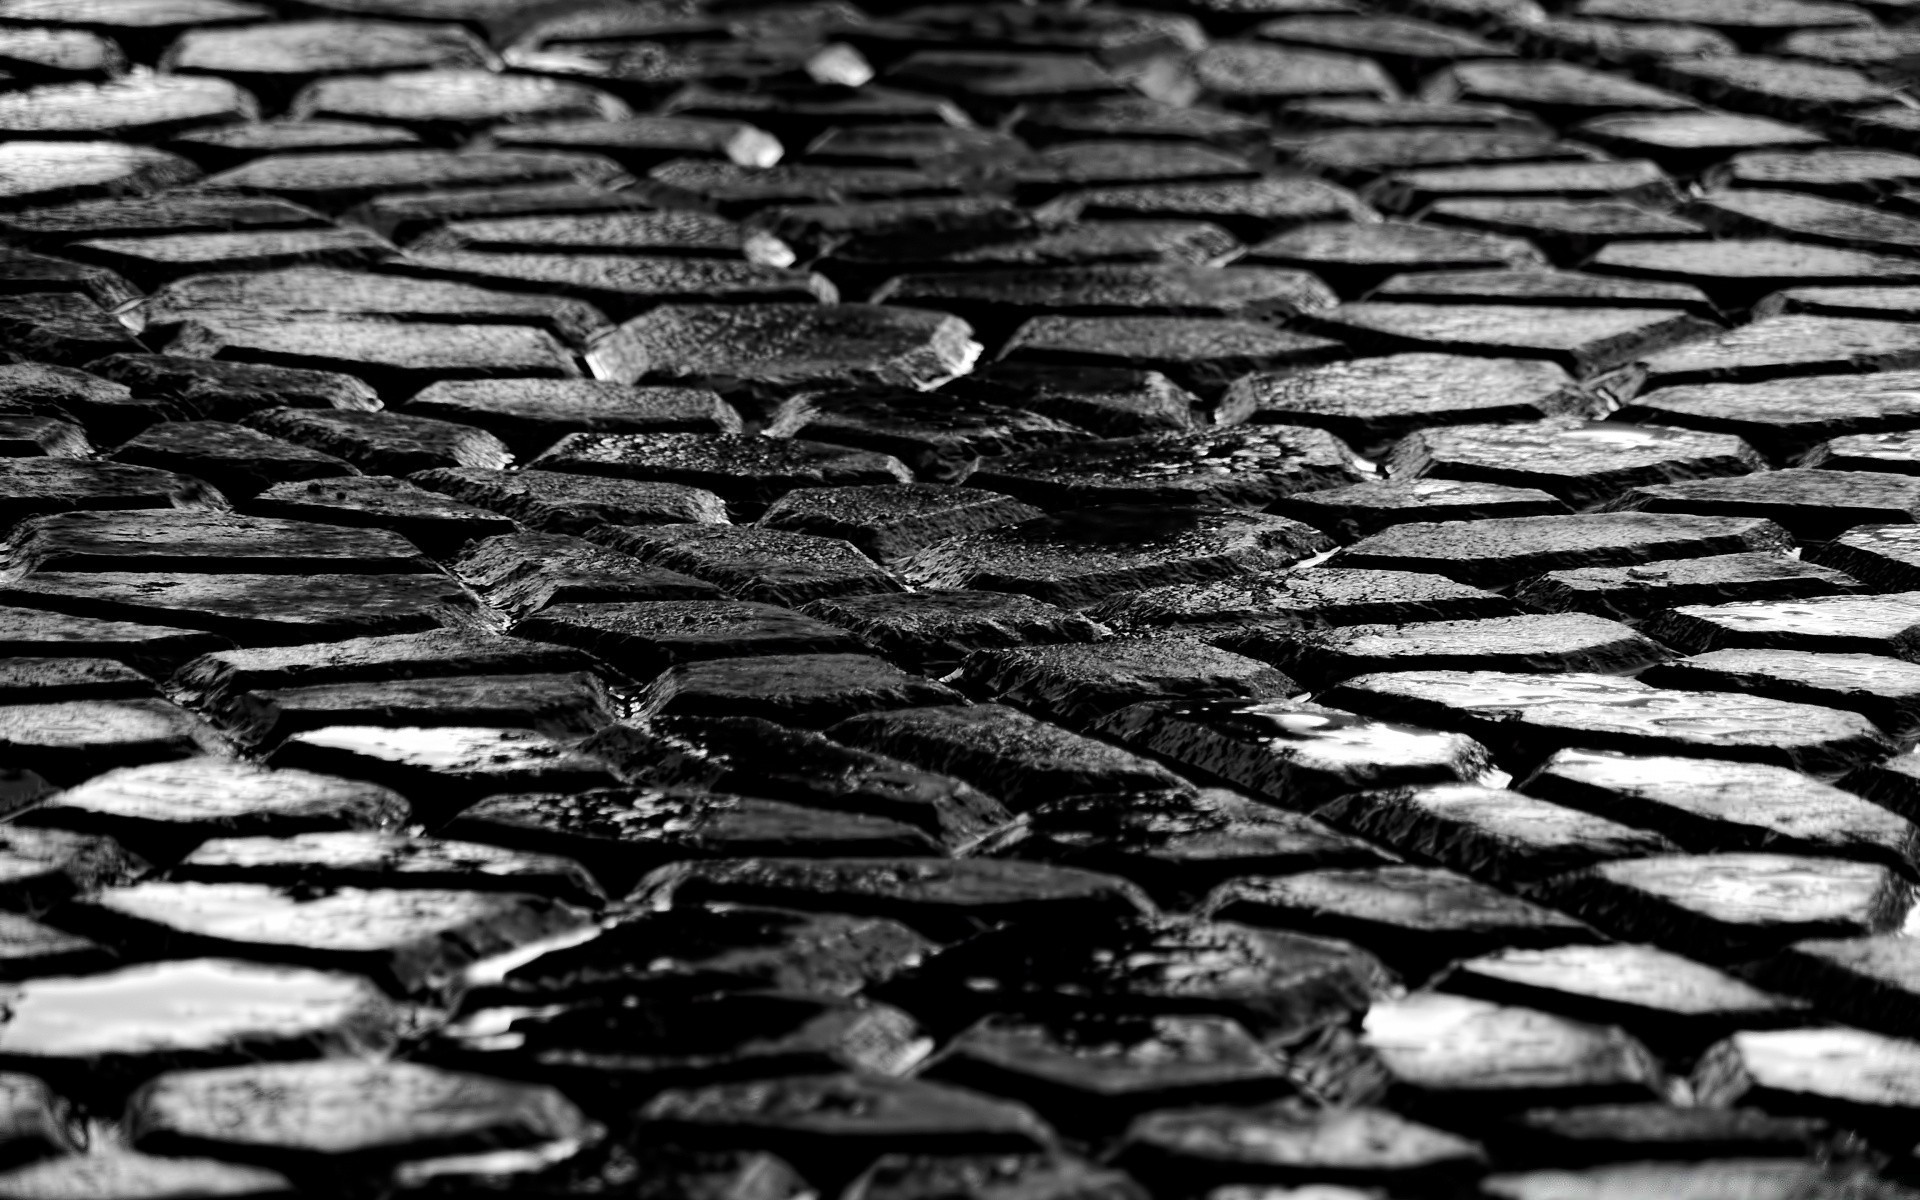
pixel 1212 599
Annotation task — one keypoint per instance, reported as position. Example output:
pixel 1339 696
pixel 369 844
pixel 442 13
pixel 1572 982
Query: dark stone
pixel 1525 717
pixel 150 261
pixel 156 648
pixel 1559 92
pixel 1867 982
pixel 620 834
pixel 622 284
pixel 1778 86
pixel 933 630
pixel 1077 684
pixel 1786 418
pixel 563 705
pixel 1584 464
pixel 1544 286
pixel 1302 599
pixel 940 435
pixel 1241 467
pixel 1283 1144
pixel 1567 230
pixel 49 678
pixel 1738 272
pixel 327 294
pixel 422 517
pixel 1555 643
pixel 1258 77
pixel 1847 172
pixel 225 391
pixel 1864 624
pixel 66 740
pixel 1885 690
pixel 109 410
pixel 1857 1078
pixel 276 59
pixel 1585 341
pixel 1688 141
pixel 1354 257
pixel 1634 180
pixel 252 608
pixel 1639 592
pixel 448 102
pixel 1884 557
pixel 1178 845
pixel 59 54
pixel 1507 549
pixel 216 543
pixel 639 142
pixel 1295 754
pixel 1278 984
pixel 1732 906
pixel 62 327
pixel 750 472
pixel 313 1117
pixel 43 172
pixel 1498 837
pixel 339 179
pixel 1812 505
pixel 893 520
pixel 1706 806
pixel 404 216
pixel 1079 556
pixel 804 690
pixel 1109 401
pixel 1200 353
pixel 532 414
pixel 945 899
pixel 1417 919
pixel 220 146
pixel 559 502
pixel 1041 1176
pixel 28 437
pixel 139 108
pixel 1249 210
pixel 1351 513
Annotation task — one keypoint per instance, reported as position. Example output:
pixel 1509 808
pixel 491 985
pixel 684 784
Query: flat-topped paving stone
pixel 47 677
pixel 749 472
pixel 451 101
pixel 1585 463
pixel 1200 353
pixel 1633 180
pixel 1738 19
pixel 1543 643
pixel 1882 556
pixel 522 573
pixel 1244 466
pixel 1765 1176
pixel 171 212
pixel 1858 1077
pixel 64 740
pixel 27 274
pixel 774 566
pixel 276 59
pixel 1618 44
pixel 941 435
pixel 144 26
pixel 1490 834
pixel 385 443
pixel 30 53
pixel 443 768
pixel 1567 230
pixel 559 502
pixel 1259 77
pixel 639 142
pixel 1783 87
pixel 62 327
pixel 1353 257
pixel 1288 1143
pixel 932 630
pixel 643 638
pixel 1294 753
pixel 1078 556
pixel 237 460
pixel 1560 92
pixel 1355 156
pixel 1705 806
pixel 861 263
pixel 890 521
pixel 404 216
pixel 786 346
pixel 201 541
pixel 1001 299
pixel 1351 513
pixel 1671 1003
pixel 1741 271
pixel 252 608
pixel 339 179
pixel 149 647
pixel 360 858
pixel 623 284
pixel 1441 1053
pixel 326 1114
pixel 1640 591
pixel 572 704
pixel 330 294
pixel 1370 400
pixel 1865 624
pixel 224 390
pixel 1349 113
pixel 1277 983
pixel 1076 684
pixel 1004 752
pixel 734 191
pixel 1585 340
pixel 1764 212
pixel 1065 165
pixel 140 109
pixel 45 485
pixel 1296 599
pixel 1507 549
pixel 1857 452
pixel 990 81
pixel 532 414
pixel 1811 504
pixel 1526 717
pixel 1418 919
pixel 1688 141
pixel 1108 401
pixel 396 357
pixel 1843 172
pixel 807 691
pixel 54 172
pixel 1402 42
pixel 633 231
pixel 33 436
pixel 218 147
pixel 1726 906
pixel 945 899
pixel 1785 418
pixel 151 261
pixel 1249 210
pixel 1868 982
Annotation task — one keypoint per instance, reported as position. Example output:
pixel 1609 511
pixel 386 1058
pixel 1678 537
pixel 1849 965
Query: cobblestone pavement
pixel 1240 600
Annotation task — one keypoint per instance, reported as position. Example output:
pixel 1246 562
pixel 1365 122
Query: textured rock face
pixel 1061 600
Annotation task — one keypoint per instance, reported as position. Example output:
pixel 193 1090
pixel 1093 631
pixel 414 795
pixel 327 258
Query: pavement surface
pixel 1230 600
